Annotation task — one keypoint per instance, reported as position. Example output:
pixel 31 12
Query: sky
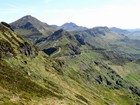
pixel 89 13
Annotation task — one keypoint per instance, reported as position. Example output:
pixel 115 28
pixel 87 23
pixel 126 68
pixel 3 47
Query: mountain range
pixel 34 27
pixel 131 33
pixel 70 27
pixel 43 64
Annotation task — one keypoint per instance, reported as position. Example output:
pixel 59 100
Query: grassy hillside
pixel 40 82
pixel 99 37
pixel 30 77
pixel 131 33
pixel 103 37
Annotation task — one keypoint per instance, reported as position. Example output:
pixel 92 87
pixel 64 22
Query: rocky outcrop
pixel 11 44
pixel 27 49
pixel 6 49
pixel 7 25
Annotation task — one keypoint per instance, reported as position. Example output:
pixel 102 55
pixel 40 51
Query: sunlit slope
pixel 28 76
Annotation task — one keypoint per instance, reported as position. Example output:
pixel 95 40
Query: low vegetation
pixel 74 73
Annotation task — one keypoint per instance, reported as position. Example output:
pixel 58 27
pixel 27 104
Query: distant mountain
pixel 70 27
pixel 134 35
pixel 131 33
pixel 120 31
pixel 30 27
pixel 99 36
pixel 104 37
pixel 134 30
pixel 55 26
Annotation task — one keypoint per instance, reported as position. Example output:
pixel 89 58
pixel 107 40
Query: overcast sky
pixel 89 13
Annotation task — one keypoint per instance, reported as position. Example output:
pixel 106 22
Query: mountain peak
pixel 29 22
pixel 22 21
pixel 70 26
pixel 101 29
pixel 28 17
pixel 120 31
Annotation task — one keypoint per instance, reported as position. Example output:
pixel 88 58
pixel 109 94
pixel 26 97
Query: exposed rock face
pixel 7 25
pixel 27 49
pixel 10 43
pixel 59 35
pixel 5 49
pixel 75 50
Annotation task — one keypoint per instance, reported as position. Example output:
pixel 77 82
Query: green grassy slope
pixel 103 37
pixel 75 45
pixel 30 77
pixel 100 37
pixel 95 65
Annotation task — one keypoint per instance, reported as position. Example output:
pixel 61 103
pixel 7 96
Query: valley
pixel 41 64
